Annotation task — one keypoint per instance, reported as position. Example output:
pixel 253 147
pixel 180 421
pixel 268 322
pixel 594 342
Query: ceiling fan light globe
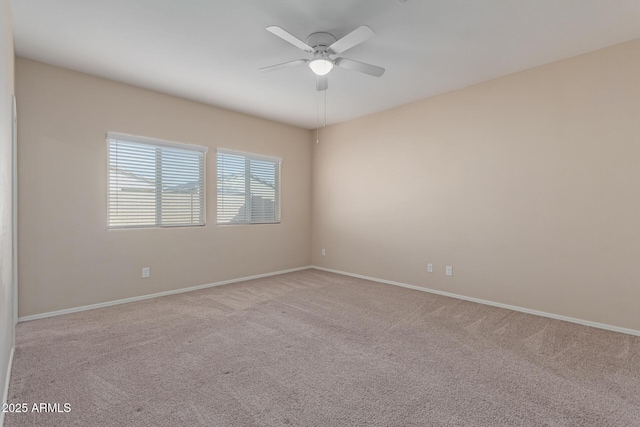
pixel 321 67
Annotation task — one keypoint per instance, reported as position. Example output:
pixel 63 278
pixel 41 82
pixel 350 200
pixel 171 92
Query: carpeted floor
pixel 318 349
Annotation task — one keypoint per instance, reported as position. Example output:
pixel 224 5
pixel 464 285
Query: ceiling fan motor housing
pixel 320 42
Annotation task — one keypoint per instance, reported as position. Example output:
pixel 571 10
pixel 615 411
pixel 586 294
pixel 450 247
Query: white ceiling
pixel 210 50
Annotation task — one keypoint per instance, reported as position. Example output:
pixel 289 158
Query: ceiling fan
pixel 325 47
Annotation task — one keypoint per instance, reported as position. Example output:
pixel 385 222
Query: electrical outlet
pixel 430 268
pixel 145 272
pixel 448 270
pixel 324 253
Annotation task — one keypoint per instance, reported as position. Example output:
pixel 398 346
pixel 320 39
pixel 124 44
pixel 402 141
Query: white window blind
pixel 154 183
pixel 248 188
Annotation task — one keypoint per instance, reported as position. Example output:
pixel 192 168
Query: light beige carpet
pixel 318 349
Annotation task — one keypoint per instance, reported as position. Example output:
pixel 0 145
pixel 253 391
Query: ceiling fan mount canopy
pixel 324 46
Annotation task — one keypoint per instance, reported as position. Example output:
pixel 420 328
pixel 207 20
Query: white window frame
pixel 158 143
pixel 249 157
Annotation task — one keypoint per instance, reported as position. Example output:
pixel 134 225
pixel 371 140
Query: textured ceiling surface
pixel 210 50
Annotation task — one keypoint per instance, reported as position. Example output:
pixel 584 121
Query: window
pixel 248 188
pixel 154 183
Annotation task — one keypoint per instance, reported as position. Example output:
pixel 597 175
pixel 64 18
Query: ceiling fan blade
pixel 350 64
pixel 355 37
pixel 290 38
pixel 322 83
pixel 284 65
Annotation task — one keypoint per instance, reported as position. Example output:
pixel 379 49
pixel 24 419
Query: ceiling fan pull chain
pixel 317 113
pixel 325 108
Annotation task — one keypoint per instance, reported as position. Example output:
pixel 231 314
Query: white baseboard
pixel 155 295
pixel 360 276
pixel 5 394
pixel 495 304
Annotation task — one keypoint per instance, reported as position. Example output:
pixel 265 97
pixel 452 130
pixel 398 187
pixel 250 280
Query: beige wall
pixel 528 185
pixel 6 207
pixel 67 256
